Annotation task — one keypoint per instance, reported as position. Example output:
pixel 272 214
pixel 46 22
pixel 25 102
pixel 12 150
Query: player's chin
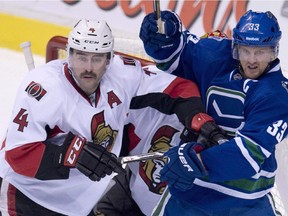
pixel 88 86
pixel 252 73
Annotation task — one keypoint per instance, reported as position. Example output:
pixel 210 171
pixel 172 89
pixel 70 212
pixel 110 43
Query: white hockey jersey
pixel 49 104
pixel 150 131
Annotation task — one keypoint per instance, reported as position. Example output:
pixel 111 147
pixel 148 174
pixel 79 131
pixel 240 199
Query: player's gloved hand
pixel 182 167
pixel 203 127
pixel 160 46
pixel 172 23
pixel 212 133
pixel 94 161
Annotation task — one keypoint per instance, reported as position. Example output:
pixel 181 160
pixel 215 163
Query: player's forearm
pixel 227 162
pixel 36 160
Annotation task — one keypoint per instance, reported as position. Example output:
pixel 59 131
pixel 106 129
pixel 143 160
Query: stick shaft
pixel 157 11
pixel 141 157
pixel 26 47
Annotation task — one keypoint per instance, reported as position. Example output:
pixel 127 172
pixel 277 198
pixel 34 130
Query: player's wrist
pixel 199 120
pixel 213 133
pixel 75 146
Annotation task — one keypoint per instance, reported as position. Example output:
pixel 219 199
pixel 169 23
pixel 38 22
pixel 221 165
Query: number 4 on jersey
pixel 21 119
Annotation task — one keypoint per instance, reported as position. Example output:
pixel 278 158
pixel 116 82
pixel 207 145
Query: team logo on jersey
pixel 149 170
pixel 285 85
pixel 103 134
pixel 35 90
pixel 219 102
pixel 92 30
pixel 237 76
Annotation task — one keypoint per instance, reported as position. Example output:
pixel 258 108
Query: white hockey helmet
pixel 91 36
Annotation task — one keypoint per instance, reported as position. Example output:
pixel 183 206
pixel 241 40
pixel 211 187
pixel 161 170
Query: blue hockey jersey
pixel 254 113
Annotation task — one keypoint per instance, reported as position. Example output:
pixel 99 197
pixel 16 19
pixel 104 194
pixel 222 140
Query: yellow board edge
pixel 15 30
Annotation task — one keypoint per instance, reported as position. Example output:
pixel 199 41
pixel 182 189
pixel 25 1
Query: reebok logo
pixel 252 39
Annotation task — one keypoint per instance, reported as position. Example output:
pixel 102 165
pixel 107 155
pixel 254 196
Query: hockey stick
pixel 186 136
pixel 144 156
pixel 157 11
pixel 26 47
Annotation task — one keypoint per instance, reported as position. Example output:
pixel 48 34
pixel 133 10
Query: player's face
pixel 88 69
pixel 254 60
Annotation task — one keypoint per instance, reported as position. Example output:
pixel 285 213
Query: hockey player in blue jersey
pixel 244 90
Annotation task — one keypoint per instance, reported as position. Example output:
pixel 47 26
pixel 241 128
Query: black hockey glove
pixel 212 133
pixel 94 161
pixel 205 131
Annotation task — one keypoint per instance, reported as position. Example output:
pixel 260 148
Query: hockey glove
pixel 212 133
pixel 161 46
pixel 182 168
pixel 205 129
pixel 94 161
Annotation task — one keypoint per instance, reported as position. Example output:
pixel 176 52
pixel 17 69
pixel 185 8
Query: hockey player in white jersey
pixel 243 88
pixel 147 131
pixel 138 192
pixel 67 124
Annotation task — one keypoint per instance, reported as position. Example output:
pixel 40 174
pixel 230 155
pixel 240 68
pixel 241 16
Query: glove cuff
pixel 73 151
pixel 199 120
pixel 190 160
pixel 165 54
pixel 213 133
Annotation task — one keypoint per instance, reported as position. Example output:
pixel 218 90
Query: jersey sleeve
pixel 36 109
pixel 198 55
pixel 169 95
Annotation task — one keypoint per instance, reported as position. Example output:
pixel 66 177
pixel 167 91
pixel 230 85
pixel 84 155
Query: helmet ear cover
pixel 256 29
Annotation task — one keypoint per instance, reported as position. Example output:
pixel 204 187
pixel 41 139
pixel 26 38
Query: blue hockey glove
pixel 161 46
pixel 172 23
pixel 182 168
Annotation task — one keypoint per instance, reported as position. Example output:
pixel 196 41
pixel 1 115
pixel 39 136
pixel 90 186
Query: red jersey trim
pixel 177 89
pixel 26 159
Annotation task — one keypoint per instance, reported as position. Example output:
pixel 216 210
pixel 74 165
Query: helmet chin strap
pixel 269 66
pixel 72 74
pixel 69 65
